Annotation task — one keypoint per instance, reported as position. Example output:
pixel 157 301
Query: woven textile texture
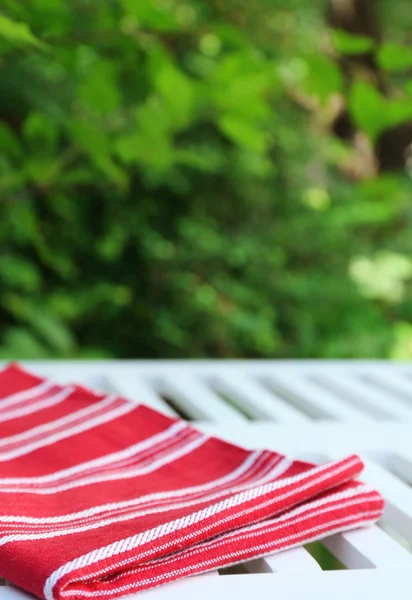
pixel 102 497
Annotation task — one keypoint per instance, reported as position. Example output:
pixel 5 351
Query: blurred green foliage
pixel 170 185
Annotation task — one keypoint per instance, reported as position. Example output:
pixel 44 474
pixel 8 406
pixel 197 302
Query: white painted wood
pixel 401 465
pixel 197 400
pixel 209 368
pixel 378 403
pixel 396 536
pixel 295 560
pixel 132 387
pixel 398 496
pixel 394 382
pixel 256 401
pixel 368 548
pixel 381 584
pixel 59 373
pixel 319 402
pixel 307 440
pixel 11 593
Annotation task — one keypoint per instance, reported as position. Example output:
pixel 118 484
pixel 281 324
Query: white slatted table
pixel 310 410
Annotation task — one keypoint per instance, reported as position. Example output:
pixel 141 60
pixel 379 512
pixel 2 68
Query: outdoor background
pixel 205 178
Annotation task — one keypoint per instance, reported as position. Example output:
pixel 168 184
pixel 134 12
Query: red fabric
pixel 103 497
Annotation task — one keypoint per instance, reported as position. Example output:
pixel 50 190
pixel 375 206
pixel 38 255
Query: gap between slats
pixel 295 560
pixel 378 403
pixel 197 400
pixel 393 382
pixel 134 388
pixel 255 400
pixel 313 399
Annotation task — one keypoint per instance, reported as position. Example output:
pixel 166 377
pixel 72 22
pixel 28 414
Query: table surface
pixel 313 410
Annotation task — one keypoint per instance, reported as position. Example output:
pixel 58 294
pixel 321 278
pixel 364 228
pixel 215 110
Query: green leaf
pixel 178 90
pixel 142 147
pixel 150 143
pixel 242 95
pixel 100 92
pixel 94 354
pixel 41 132
pixel 402 342
pixel 230 35
pixel 38 169
pixel 91 138
pixel 399 111
pixel 240 86
pixel 19 273
pixel 19 344
pixel 128 147
pixel 153 15
pixel 238 63
pixel 349 44
pixel 8 141
pixel 18 34
pixel 155 117
pixel 323 79
pixel 368 108
pixel 383 276
pixel 200 157
pixel 243 133
pixel 51 329
pixel 393 57
pixel 96 143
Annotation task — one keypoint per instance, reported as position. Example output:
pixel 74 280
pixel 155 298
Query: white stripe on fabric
pixel 102 461
pixel 97 524
pixel 244 467
pixel 165 458
pixel 258 529
pixel 359 495
pixel 369 514
pixel 32 392
pixel 52 425
pixel 116 507
pixel 132 542
pixel 366 518
pixel 33 407
pixel 166 560
pixel 105 417
pixel 267 526
pixel 360 490
pixel 99 478
pixel 245 534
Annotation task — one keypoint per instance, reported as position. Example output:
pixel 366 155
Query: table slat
pixel 378 403
pixel 257 401
pixel 317 401
pixel 198 400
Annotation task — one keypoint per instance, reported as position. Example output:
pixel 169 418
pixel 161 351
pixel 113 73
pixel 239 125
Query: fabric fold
pixel 100 496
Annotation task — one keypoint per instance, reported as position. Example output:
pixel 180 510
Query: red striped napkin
pixel 100 497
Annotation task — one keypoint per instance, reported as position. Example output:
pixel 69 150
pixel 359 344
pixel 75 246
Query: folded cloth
pixel 102 497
